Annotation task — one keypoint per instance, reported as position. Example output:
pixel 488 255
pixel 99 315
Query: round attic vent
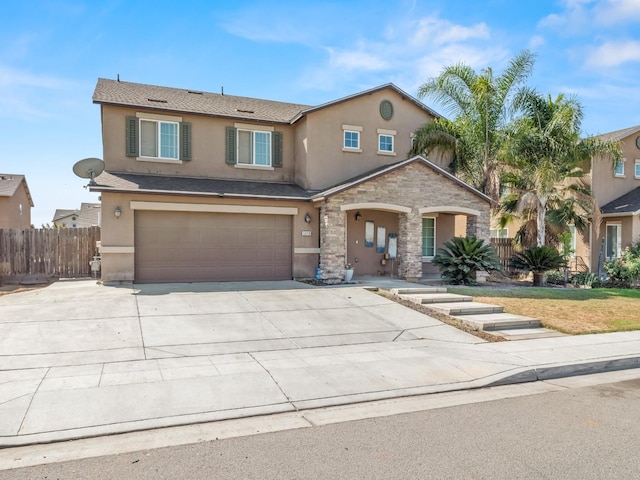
pixel 386 109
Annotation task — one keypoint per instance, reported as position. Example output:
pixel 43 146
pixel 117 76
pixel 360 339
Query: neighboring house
pixel 87 216
pixel 618 195
pixel 15 201
pixel 212 187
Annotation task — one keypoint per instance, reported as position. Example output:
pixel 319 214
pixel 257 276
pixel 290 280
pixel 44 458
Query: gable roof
pixel 352 182
pixel 627 204
pixel 87 216
pixel 9 184
pixel 390 86
pixel 178 100
pixel 619 134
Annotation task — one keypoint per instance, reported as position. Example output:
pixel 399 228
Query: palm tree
pixel 546 157
pixel 481 107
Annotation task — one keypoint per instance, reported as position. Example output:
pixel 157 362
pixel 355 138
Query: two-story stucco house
pixel 617 191
pixel 212 187
pixel 15 201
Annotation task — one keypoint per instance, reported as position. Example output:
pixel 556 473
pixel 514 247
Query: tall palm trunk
pixel 541 217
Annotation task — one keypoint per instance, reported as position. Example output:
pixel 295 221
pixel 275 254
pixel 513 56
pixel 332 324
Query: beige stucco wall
pixel 327 164
pixel 10 212
pixel 630 234
pixel 605 185
pixel 208 150
pixel 118 234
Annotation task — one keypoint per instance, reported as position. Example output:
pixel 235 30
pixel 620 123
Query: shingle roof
pixel 9 183
pixel 627 204
pixel 619 134
pixel 87 216
pixel 114 92
pixel 130 182
pixel 388 168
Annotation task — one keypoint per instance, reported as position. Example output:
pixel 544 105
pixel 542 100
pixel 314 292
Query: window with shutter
pixel 151 138
pixel 253 147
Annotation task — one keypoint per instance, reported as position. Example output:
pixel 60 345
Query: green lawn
pixel 568 310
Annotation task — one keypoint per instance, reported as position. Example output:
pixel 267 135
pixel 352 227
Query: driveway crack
pixel 26 412
pixel 274 381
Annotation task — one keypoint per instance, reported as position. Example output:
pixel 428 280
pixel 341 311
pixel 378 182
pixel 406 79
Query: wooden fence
pixel 505 249
pixel 61 253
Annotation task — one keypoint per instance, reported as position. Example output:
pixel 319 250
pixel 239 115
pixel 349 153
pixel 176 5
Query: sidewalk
pixel 157 356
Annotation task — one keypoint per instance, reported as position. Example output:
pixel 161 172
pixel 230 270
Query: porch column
pixel 332 242
pixel 477 228
pixel 410 245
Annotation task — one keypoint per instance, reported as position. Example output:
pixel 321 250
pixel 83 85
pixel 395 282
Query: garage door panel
pixel 194 246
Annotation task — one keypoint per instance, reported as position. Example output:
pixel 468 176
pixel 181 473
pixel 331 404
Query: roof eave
pixel 104 189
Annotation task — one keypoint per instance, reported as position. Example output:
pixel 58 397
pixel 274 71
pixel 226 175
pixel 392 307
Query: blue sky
pixel 52 52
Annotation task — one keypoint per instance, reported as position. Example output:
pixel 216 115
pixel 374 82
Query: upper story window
pixel 253 146
pixel 351 138
pixel 158 138
pixel 637 169
pixel 618 170
pixel 386 142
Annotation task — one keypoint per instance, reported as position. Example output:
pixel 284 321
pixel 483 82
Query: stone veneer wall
pixel 414 186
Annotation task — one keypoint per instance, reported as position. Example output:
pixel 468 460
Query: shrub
pixel 586 279
pixel 462 257
pixel 537 260
pixel 624 272
pixel 555 277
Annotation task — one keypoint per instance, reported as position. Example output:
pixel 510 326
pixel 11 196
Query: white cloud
pixel 356 60
pixel 436 31
pixel 583 15
pixel 612 54
pixel 536 41
pixel 609 12
pixel 10 77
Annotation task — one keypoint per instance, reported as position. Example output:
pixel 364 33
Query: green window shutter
pixel 185 141
pixel 231 146
pixel 276 147
pixel 132 137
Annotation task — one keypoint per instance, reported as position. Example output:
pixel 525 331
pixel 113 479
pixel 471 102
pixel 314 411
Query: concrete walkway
pixel 78 359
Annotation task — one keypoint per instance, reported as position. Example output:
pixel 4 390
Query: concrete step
pixel 498 321
pixel 466 308
pixel 526 333
pixel 428 298
pixel 417 290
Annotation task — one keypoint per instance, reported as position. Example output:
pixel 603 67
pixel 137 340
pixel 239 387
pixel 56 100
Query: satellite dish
pixel 89 168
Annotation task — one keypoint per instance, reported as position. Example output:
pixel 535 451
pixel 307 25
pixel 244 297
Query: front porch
pixel 392 222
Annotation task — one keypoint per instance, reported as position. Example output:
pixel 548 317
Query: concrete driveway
pixel 79 322
pixel 78 359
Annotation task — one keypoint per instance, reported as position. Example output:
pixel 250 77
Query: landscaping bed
pixel 568 310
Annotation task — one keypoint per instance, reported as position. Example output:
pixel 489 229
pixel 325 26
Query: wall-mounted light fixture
pixel 117 212
pixel 358 216
pixel 307 218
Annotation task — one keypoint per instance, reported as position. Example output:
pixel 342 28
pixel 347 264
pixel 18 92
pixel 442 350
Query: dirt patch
pixel 442 317
pixel 15 288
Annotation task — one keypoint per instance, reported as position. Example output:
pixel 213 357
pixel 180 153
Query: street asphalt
pixel 79 359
